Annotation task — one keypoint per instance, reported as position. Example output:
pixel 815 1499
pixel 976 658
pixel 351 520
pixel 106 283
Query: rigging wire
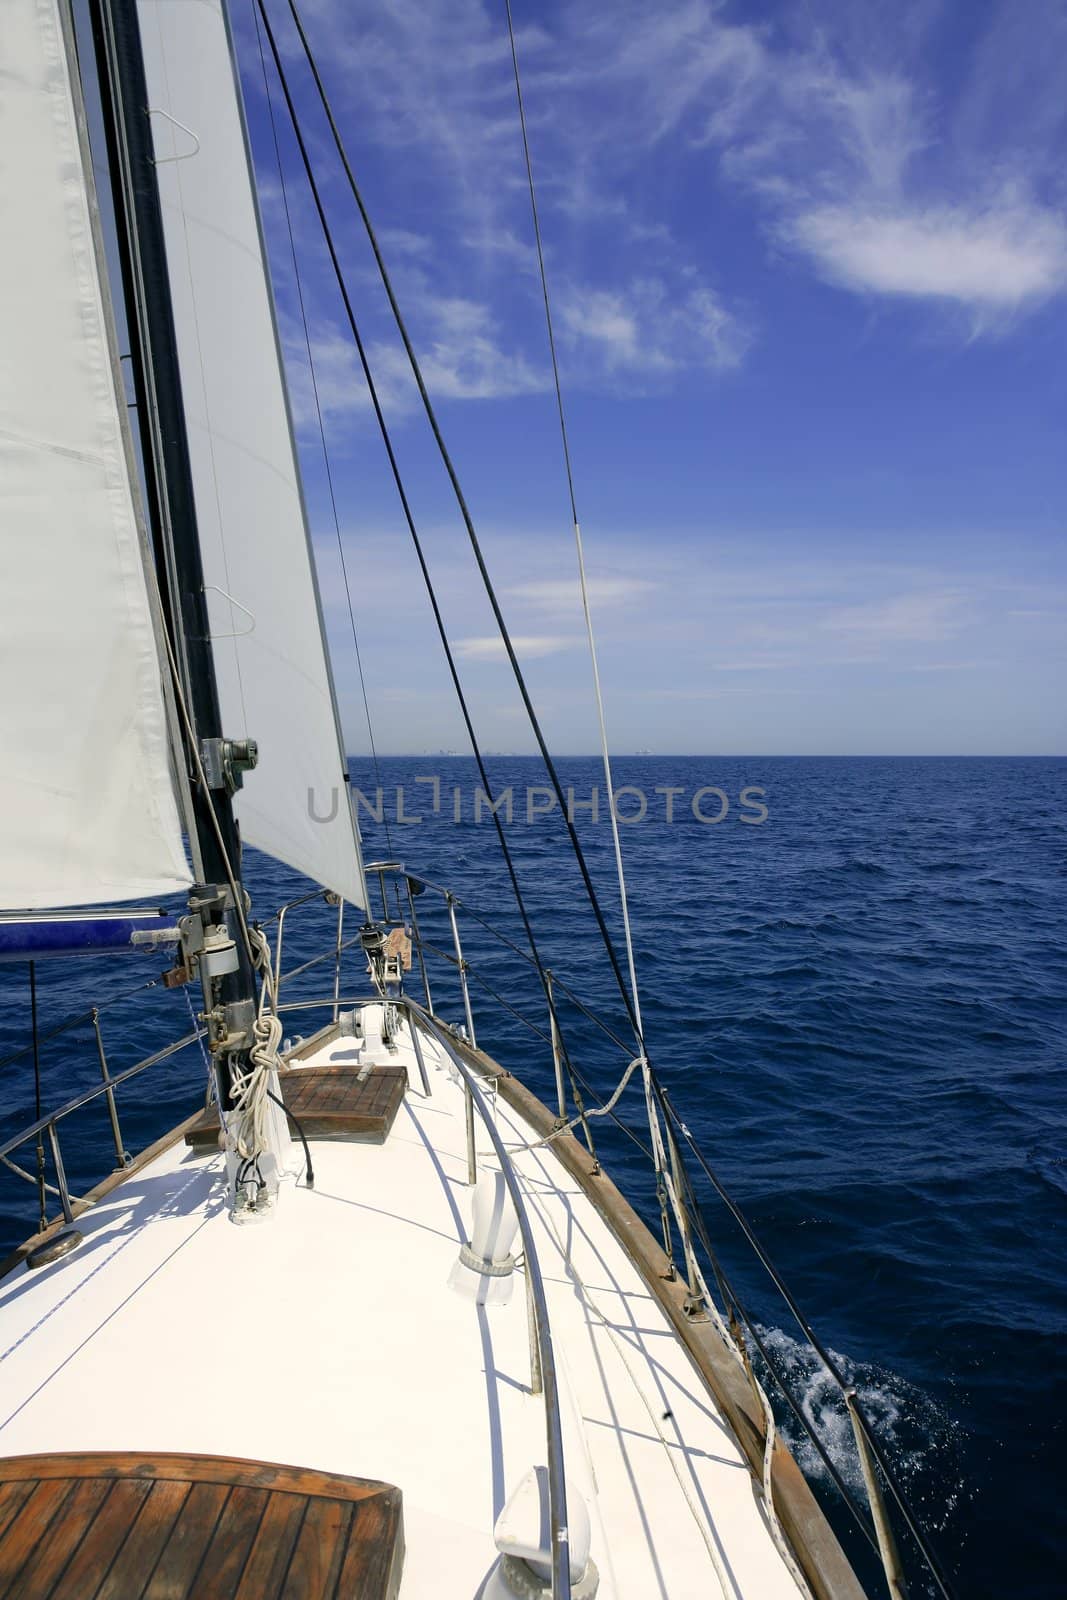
pixel 402 493
pixel 37 1093
pixel 664 1184
pixel 468 522
pixel 319 416
pixel 832 1367
pixel 75 1021
pixel 630 999
pixel 652 1082
pixel 646 1071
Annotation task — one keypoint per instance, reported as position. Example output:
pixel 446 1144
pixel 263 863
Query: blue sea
pixel 853 983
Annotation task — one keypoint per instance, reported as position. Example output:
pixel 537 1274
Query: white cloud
pixel 338 377
pixel 430 85
pixel 652 328
pixel 884 178
pixel 553 593
pixel 997 260
pixel 886 175
pixel 923 617
pixel 460 352
pixel 465 359
pixel 474 367
pixel 529 646
pixel 404 242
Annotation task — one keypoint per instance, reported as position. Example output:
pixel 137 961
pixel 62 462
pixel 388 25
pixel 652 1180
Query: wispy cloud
pixel 922 616
pixel 490 647
pixel 650 329
pixel 463 357
pixel 887 179
pixel 862 162
pixel 554 594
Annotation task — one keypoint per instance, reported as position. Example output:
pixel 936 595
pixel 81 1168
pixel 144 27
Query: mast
pixel 229 997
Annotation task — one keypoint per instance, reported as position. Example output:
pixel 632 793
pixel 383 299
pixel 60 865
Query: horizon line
pixel 712 755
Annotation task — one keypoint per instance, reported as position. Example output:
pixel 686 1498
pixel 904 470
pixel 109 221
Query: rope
pixel 605 1110
pixel 37 1180
pixel 246 1124
pixel 319 416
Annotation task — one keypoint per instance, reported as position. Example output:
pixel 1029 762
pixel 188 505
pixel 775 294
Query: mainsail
pixel 270 656
pixel 86 796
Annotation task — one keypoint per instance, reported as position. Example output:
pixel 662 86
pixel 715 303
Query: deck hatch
pixel 139 1527
pixel 330 1102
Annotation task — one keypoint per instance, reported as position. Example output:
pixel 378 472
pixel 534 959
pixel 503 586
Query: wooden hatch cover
pixel 330 1103
pixel 173 1527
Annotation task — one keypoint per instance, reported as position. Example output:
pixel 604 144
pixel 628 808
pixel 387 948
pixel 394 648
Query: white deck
pixel 329 1338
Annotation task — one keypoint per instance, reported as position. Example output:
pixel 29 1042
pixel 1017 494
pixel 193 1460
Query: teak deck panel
pixel 330 1102
pixel 174 1527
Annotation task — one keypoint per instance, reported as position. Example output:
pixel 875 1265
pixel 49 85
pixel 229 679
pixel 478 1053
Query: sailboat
pixel 374 1322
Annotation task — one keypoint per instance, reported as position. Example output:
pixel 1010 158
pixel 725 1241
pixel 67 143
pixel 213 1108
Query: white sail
pixel 270 656
pixel 86 796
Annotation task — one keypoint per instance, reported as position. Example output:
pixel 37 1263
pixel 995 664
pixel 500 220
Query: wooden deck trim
pixel 816 1547
pixel 168 1466
pixel 98 1192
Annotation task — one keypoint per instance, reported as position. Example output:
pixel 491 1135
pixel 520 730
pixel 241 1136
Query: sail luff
pixel 161 417
pixel 265 612
pixel 176 742
pixel 305 520
pixel 86 785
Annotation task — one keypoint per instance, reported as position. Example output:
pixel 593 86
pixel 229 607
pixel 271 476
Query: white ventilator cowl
pixel 485 1269
pixel 523 1528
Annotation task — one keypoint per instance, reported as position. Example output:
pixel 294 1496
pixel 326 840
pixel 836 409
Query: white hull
pixel 328 1337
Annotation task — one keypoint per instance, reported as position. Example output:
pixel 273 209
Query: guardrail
pixel 698 1261
pixel 687 1167
pixel 49 1124
pixel 543 1376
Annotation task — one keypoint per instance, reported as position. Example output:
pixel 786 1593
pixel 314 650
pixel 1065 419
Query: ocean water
pixel 856 1002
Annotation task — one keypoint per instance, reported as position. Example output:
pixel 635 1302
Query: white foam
pixel 916 1434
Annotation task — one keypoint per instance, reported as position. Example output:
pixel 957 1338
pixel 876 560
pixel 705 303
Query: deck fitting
pixel 54 1249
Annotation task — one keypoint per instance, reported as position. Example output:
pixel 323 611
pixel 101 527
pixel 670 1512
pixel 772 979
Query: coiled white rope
pixel 249 1087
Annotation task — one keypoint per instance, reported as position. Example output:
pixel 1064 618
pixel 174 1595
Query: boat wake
pixel 922 1441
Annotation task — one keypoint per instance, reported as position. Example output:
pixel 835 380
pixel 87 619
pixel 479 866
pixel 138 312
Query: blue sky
pixel 808 268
